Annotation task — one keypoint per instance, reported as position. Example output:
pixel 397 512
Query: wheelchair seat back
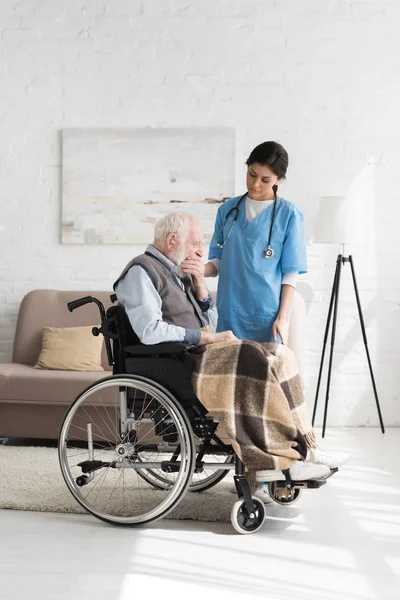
pixel 162 363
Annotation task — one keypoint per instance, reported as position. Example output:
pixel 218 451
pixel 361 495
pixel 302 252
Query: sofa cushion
pixel 70 349
pixel 23 383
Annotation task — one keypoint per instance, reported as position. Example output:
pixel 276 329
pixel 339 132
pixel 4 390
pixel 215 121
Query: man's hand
pixel 281 327
pixel 212 338
pixel 194 266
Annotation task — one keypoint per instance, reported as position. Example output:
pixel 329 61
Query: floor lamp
pixel 332 227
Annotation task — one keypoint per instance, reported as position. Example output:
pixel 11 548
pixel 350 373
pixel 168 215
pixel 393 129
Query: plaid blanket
pixel 255 391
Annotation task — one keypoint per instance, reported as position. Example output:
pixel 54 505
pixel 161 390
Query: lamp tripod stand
pixel 333 306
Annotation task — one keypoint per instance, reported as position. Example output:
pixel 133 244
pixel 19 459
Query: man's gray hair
pixel 178 223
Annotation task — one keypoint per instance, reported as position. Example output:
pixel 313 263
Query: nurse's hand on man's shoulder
pixel 208 337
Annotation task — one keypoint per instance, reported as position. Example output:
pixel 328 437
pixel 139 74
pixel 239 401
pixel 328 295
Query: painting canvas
pixel 117 182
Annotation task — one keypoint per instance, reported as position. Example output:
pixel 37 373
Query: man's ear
pixel 171 240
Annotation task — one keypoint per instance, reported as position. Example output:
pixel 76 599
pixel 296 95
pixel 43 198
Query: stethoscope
pixel 268 252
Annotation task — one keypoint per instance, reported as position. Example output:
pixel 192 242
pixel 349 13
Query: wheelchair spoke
pixel 100 481
pixel 144 409
pixel 89 419
pixel 112 491
pixel 100 416
pixel 104 421
pixel 170 427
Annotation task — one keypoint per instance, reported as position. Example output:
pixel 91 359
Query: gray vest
pixel 179 307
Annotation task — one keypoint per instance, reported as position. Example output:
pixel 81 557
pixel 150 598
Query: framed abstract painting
pixel 117 182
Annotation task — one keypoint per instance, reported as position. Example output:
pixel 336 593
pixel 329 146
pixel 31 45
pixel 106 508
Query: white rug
pixel 30 479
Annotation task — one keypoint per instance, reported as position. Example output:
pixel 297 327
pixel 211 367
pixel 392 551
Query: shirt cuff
pixel 192 337
pixel 205 303
pixel 290 278
pixel 216 262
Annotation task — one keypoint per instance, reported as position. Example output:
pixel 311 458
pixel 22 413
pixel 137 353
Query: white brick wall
pixel 320 77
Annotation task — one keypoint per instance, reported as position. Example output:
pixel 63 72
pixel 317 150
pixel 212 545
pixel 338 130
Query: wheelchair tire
pixel 243 522
pixel 95 439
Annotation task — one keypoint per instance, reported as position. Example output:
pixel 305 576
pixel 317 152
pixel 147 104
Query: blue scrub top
pixel 249 286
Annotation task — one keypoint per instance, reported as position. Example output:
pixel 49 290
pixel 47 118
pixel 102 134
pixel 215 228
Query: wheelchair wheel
pixel 242 521
pixel 201 481
pixel 281 495
pixel 105 440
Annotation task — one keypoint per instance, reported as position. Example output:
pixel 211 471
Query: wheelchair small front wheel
pixel 246 523
pixel 281 495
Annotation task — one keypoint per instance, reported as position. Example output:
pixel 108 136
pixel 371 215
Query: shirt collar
pixel 168 263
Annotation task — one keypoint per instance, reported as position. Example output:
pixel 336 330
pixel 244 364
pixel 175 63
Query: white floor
pixel 337 543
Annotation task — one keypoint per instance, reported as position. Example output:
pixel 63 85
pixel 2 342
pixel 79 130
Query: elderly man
pixel 253 389
pixel 163 291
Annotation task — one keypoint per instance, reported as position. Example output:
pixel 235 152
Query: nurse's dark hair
pixel 273 155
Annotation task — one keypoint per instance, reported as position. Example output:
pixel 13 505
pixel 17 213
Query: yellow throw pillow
pixel 70 349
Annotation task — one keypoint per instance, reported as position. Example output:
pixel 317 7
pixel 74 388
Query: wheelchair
pixel 133 443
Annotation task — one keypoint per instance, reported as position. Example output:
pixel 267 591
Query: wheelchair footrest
pixel 170 467
pixel 311 484
pixel 314 484
pixel 88 466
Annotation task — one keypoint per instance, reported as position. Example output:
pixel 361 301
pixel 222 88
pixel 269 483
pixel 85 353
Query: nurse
pixel 258 249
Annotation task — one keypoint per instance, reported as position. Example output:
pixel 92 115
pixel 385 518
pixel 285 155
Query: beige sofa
pixel 32 401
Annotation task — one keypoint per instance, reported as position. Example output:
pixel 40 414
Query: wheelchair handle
pixel 95 330
pixel 80 302
pixel 86 300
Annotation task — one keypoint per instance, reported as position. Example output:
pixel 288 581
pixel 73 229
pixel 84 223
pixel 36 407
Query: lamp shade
pixel 337 222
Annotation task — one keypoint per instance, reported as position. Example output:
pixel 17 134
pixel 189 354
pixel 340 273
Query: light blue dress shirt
pixel 143 305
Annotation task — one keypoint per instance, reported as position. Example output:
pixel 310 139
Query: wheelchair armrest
pixel 163 348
